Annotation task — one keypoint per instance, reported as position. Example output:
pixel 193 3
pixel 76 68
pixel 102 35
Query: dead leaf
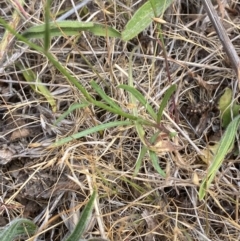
pixel 6 156
pixel 21 133
pixel 195 179
pixel 164 144
pixel 208 153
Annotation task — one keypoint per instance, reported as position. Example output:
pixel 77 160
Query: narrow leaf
pixel 225 146
pixel 154 157
pixel 90 131
pixel 105 31
pixel 82 223
pixel 227 110
pixel 143 17
pixel 69 28
pixel 47 25
pixel 16 228
pixel 164 102
pixel 138 164
pixel 155 163
pixel 57 28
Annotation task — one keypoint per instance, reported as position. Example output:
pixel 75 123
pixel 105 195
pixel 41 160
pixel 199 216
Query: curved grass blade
pixel 69 28
pixel 82 223
pixel 105 31
pixel 57 29
pixel 155 163
pixel 47 26
pixel 140 98
pixel 70 110
pixel 154 157
pixel 141 155
pixel 104 96
pixel 90 131
pixel 164 102
pixel 143 17
pixel 225 107
pixel 225 145
pixel 16 228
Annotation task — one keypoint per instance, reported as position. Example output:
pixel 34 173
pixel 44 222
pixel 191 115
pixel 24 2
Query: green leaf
pixel 16 228
pixel 154 157
pixel 104 96
pixel 82 223
pixel 90 131
pixel 155 162
pixel 140 98
pixel 57 29
pixel 225 107
pixel 225 145
pixel 138 164
pixel 69 28
pixel 143 17
pixel 105 31
pixel 47 25
pixel 164 102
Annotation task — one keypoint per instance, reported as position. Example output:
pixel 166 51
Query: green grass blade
pixel 225 107
pixel 164 102
pixel 154 157
pixel 225 145
pixel 143 17
pixel 104 31
pixel 104 96
pixel 90 131
pixel 82 223
pixel 140 98
pixel 57 29
pixel 69 28
pixel 16 228
pixel 155 160
pixel 47 25
pixel 141 155
pixel 70 110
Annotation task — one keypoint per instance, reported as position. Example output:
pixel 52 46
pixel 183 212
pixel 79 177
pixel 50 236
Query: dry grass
pixel 51 186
